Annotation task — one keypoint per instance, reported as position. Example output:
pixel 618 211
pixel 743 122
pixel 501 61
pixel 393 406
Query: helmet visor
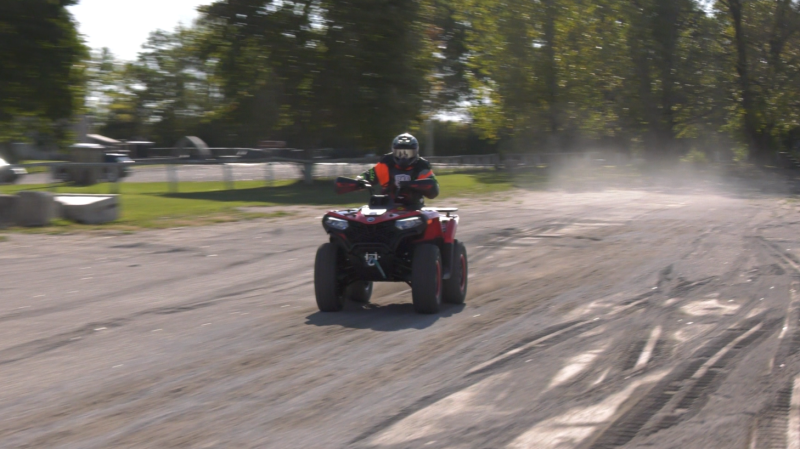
pixel 405 153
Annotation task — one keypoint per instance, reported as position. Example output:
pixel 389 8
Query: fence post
pixel 268 174
pixel 308 173
pixel 227 177
pixel 53 185
pixel 114 187
pixel 172 178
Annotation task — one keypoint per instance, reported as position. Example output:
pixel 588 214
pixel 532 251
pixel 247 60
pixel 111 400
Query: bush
pixel 695 157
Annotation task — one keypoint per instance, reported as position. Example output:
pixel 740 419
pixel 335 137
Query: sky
pixel 124 25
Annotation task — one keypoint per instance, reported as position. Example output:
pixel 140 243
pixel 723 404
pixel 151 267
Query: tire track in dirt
pixel 566 331
pixel 771 426
pixel 329 380
pixel 682 393
pixel 146 399
pixel 540 341
pixel 146 286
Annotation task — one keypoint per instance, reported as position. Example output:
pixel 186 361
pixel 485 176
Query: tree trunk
pixel 666 30
pixel 551 75
pixel 758 152
pixel 648 106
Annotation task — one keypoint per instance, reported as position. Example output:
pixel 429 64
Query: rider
pixel 404 175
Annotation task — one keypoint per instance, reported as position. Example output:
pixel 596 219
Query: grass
pixel 151 206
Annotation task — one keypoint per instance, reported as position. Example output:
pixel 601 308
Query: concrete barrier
pixel 8 210
pixel 89 209
pixel 35 209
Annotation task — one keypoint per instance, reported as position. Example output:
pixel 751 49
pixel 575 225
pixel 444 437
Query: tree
pixel 41 65
pixel 376 58
pixel 663 33
pixel 265 57
pixel 766 37
pixel 654 76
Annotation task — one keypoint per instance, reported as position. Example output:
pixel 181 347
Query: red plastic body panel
pixel 439 228
pixel 450 227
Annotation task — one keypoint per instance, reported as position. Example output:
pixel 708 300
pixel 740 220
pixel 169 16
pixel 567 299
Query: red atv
pixel 387 242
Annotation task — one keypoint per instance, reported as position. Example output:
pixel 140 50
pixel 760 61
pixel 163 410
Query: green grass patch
pixel 152 205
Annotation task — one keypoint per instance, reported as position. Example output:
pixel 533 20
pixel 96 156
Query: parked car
pixel 113 174
pixel 9 173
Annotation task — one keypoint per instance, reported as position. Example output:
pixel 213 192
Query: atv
pixel 389 242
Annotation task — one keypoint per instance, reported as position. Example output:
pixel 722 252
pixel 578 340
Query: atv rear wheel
pixel 426 279
pixel 359 291
pixel 455 288
pixel 326 285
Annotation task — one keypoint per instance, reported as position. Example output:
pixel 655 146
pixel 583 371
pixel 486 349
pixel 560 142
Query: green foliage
pixel 657 77
pixel 41 66
pixel 695 157
pixel 765 38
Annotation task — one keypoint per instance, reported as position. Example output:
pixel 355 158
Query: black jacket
pixel 393 180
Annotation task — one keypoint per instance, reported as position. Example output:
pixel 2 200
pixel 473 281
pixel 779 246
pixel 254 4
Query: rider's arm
pixel 377 175
pixel 427 184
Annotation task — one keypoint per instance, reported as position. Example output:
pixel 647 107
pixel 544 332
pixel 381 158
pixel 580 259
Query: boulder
pixel 8 210
pixel 35 208
pixel 89 209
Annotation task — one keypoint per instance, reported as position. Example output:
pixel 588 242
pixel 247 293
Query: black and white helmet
pixel 405 150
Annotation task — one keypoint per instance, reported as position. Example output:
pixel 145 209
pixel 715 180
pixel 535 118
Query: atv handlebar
pixel 429 188
pixel 349 185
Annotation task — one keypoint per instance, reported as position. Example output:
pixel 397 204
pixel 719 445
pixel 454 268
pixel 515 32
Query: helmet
pixel 405 150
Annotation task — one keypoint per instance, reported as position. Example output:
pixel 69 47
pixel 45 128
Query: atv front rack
pixel 442 210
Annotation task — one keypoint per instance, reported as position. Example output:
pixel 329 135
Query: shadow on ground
pixel 381 318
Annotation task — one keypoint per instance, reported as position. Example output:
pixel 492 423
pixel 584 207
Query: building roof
pixel 103 139
pixel 93 146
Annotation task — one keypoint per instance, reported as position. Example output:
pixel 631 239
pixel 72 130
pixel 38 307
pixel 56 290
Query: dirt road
pixel 619 318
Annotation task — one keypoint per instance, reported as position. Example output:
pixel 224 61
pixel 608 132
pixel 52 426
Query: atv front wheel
pixel 359 291
pixel 426 279
pixel 455 288
pixel 327 288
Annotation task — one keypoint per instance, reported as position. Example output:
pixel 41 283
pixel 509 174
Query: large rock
pixel 8 210
pixel 89 209
pixel 35 208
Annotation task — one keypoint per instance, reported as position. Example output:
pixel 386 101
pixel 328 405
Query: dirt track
pixel 620 318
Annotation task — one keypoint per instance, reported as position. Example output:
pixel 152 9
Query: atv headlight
pixel 408 223
pixel 336 223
